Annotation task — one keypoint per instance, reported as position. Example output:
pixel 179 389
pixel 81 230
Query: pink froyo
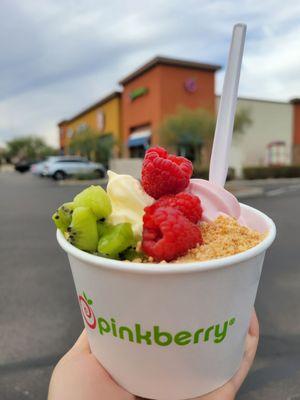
pixel 215 200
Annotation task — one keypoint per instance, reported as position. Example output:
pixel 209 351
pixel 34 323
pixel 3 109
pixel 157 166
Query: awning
pixel 140 138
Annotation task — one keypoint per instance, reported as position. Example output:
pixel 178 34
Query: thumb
pixel 81 345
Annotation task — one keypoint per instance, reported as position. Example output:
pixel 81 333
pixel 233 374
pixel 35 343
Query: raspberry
pixel 167 234
pixel 164 174
pixel 188 204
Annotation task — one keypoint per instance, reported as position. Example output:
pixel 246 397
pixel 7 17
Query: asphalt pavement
pixel 40 319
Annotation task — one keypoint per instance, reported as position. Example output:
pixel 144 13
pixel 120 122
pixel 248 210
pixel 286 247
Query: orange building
pixel 155 91
pixel 63 128
pixel 163 85
pixel 296 130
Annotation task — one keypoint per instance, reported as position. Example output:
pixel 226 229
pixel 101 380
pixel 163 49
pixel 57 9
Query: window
pixel 70 133
pixel 72 160
pixel 277 153
pixel 100 120
pixel 137 152
pixel 191 152
pixel 82 127
pixel 139 141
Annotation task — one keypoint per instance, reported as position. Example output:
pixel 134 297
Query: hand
pixel 230 389
pixel 79 376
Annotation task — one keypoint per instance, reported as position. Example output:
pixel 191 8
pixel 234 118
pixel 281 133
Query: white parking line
pixel 276 192
pixel 294 187
pixel 282 190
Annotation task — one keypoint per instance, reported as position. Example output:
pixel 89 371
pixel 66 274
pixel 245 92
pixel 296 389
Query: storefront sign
pixel 190 85
pixel 141 91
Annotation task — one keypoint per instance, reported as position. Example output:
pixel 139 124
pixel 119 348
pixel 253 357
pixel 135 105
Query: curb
pixel 244 192
pixel 248 192
pixel 7 168
pixel 263 181
pixel 78 182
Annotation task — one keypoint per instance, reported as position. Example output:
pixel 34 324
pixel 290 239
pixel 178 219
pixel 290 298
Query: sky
pixel 60 56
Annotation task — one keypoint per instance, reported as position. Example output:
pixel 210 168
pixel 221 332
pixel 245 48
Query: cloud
pixel 59 56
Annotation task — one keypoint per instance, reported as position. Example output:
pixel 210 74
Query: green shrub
pixel 86 177
pixel 202 173
pixel 286 171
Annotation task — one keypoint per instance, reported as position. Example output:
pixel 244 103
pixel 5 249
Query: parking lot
pixel 40 318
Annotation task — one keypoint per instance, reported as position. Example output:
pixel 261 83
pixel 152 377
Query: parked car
pixel 23 166
pixel 60 167
pixel 37 168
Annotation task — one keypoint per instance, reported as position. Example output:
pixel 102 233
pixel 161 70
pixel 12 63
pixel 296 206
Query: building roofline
pixel 259 100
pixel 91 107
pixel 295 100
pixel 64 121
pixel 160 60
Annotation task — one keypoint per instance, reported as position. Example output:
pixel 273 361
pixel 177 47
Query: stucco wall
pixel 166 92
pixel 271 121
pixel 112 121
pixel 127 166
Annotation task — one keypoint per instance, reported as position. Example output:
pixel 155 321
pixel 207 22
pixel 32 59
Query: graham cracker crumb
pixel 222 238
pixel 138 246
pixel 137 260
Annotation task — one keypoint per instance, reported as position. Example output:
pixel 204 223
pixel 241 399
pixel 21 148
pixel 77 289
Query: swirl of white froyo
pixel 128 200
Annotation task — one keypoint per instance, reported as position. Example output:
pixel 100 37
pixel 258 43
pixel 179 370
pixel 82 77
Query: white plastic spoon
pixel 223 134
pixel 215 199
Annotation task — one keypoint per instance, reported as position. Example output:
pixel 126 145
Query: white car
pixel 37 168
pixel 60 167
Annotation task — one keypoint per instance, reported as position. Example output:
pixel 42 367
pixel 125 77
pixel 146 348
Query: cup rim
pixel 171 268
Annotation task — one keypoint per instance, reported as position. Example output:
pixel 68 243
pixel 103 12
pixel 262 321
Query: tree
pixel 83 143
pixel 90 144
pixel 104 148
pixel 242 120
pixel 29 148
pixel 190 130
pixel 191 126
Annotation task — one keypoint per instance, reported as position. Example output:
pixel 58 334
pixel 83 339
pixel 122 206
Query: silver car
pixel 60 167
pixel 37 168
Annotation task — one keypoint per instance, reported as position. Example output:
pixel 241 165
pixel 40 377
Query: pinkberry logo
pixel 87 311
pixel 155 335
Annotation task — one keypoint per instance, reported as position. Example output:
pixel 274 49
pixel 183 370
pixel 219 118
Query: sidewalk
pixel 240 188
pixel 253 188
pixel 7 168
pixel 80 182
pixel 269 181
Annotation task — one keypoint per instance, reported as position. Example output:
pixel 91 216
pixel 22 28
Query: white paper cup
pixel 170 331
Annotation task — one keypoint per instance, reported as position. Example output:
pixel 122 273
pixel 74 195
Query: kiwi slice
pixel 63 216
pixel 116 239
pixel 83 231
pixel 103 227
pixel 131 254
pixel 96 199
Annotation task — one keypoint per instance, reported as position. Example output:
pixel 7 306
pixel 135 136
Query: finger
pixel 250 351
pixel 254 326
